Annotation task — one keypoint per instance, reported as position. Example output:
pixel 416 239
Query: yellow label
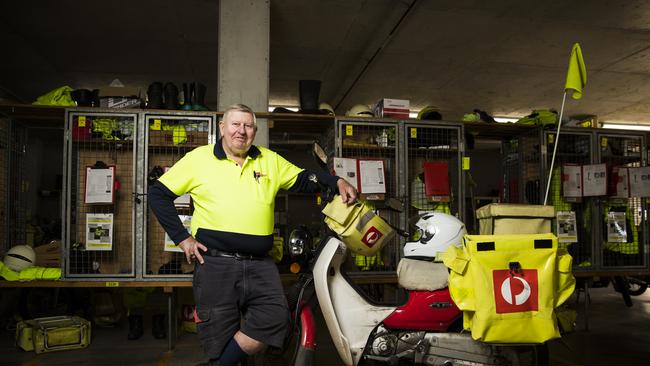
pixel 603 141
pixel 113 284
pixel 348 130
pixel 81 121
pixel 156 125
pixel 465 162
pixel 551 138
pixel 414 132
pixel 319 200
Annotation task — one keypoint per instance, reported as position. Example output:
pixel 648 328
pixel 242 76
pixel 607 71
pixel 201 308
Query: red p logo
pixel 515 293
pixel 371 237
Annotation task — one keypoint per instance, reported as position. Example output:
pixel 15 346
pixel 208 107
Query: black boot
pixel 187 101
pixel 158 326
pixel 171 96
pixel 199 103
pixel 135 327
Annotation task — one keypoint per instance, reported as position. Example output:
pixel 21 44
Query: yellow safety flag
pixel 576 77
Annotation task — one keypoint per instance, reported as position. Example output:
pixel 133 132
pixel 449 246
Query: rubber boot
pixel 199 103
pixel 187 101
pixel 135 327
pixel 158 326
pixel 171 96
pixel 155 95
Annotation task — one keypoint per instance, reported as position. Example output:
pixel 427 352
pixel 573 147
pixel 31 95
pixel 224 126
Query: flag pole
pixel 557 138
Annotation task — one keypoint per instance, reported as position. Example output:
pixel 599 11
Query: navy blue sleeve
pixel 304 185
pixel 161 201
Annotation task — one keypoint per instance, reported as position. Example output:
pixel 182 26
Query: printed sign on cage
pixel 99 231
pixel 571 180
pixel 567 230
pixel 170 246
pixel 639 181
pixel 594 180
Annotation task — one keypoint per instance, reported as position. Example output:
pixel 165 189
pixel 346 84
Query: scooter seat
pixel 418 275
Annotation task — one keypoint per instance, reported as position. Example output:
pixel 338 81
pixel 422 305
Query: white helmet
pixel 359 110
pixel 20 257
pixel 434 233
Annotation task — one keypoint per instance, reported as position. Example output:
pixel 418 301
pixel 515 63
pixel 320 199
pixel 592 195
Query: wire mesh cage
pixel 433 169
pixel 14 183
pixel 573 223
pixel 4 186
pixel 99 185
pixel 168 138
pixel 521 168
pixel 373 144
pixel 294 138
pixel 622 216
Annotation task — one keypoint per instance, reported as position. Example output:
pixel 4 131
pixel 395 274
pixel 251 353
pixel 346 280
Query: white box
pixel 392 108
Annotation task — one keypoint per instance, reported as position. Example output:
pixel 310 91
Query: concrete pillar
pixel 244 28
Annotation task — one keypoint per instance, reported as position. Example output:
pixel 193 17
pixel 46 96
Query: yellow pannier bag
pixel 362 231
pixel 508 286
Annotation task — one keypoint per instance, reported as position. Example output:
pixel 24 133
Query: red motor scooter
pixel 427 329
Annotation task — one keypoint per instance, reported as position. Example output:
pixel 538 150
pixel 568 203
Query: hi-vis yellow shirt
pixel 229 198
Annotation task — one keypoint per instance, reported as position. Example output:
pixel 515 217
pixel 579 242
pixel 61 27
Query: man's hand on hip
pixel 191 249
pixel 347 191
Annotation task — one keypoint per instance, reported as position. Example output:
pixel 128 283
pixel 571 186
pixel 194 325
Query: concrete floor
pixel 617 335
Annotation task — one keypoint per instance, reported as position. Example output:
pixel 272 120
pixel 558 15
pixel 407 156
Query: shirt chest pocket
pixel 263 190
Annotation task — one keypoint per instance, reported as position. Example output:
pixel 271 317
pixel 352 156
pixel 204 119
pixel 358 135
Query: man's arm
pixel 161 201
pixel 337 184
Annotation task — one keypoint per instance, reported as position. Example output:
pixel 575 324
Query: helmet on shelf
pixel 20 257
pixel 359 110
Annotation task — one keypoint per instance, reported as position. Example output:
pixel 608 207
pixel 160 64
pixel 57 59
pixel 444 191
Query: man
pixel 233 185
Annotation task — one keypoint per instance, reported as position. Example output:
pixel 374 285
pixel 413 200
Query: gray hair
pixel 240 108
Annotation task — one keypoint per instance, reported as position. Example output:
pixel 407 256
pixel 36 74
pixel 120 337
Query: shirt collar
pixel 219 152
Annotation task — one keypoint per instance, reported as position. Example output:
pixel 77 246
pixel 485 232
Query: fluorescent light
pixel 506 119
pixel 623 126
pixel 413 115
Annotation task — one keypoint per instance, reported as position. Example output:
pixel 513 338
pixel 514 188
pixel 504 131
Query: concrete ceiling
pixel 506 57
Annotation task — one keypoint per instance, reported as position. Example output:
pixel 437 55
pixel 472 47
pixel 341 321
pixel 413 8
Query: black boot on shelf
pixel 171 96
pixel 135 327
pixel 187 98
pixel 155 95
pixel 199 102
pixel 158 326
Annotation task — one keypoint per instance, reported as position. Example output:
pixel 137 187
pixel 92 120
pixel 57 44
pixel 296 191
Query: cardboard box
pixel 512 218
pixel 392 108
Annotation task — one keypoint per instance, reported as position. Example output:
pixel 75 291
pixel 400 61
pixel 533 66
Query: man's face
pixel 238 131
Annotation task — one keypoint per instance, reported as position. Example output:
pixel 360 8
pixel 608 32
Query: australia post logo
pixel 371 237
pixel 515 292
